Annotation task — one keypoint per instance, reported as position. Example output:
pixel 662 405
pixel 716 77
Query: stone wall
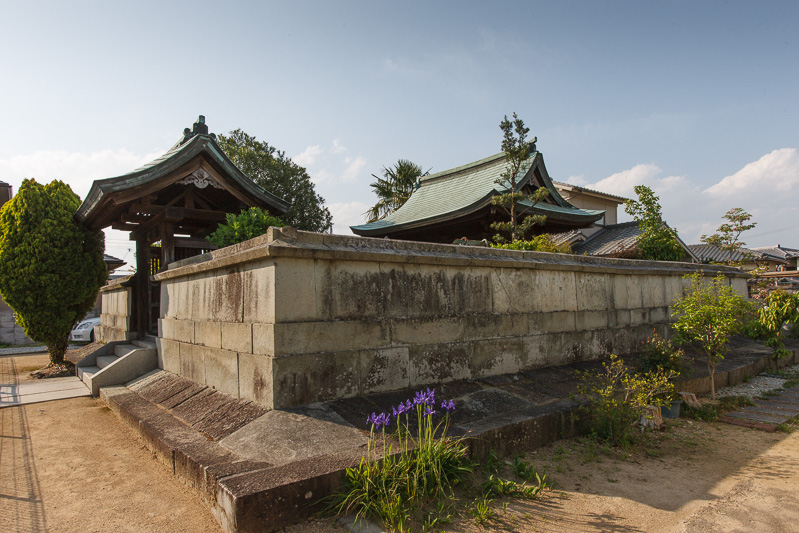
pixel 10 331
pixel 293 317
pixel 117 311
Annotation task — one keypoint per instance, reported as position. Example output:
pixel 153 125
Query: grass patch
pixel 710 411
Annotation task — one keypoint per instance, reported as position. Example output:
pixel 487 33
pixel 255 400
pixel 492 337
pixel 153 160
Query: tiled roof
pixel 613 239
pixel 452 193
pixel 561 184
pixel 712 253
pixel 778 251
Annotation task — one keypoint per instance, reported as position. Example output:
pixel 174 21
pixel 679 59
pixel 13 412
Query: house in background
pixel 748 258
pixel 788 256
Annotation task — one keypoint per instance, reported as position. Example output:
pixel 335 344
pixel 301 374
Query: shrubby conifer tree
pixel 50 267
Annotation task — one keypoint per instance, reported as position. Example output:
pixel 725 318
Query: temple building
pixel 457 203
pixel 169 206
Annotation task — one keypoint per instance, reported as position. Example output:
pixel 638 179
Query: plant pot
pixel 672 411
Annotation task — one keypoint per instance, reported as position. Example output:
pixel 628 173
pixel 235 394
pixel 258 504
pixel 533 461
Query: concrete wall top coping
pixel 289 242
pixel 116 284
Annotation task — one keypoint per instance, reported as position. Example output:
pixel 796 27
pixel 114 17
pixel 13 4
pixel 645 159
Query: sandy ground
pixel 72 466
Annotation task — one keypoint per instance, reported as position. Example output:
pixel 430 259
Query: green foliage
pixel 727 236
pixel 50 267
pixel 710 412
pixel 517 151
pixel 279 175
pixel 425 468
pixel 657 241
pixel 539 243
pixel 659 354
pixel 780 307
pixel 394 188
pixel 248 224
pixel 615 398
pixel 706 316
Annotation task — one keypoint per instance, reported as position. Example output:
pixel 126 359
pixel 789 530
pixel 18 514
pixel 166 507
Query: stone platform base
pixel 260 471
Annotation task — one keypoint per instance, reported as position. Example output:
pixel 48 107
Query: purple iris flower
pixel 429 411
pixel 448 406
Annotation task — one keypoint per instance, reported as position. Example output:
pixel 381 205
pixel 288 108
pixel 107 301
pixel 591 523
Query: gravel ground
pixel 757 385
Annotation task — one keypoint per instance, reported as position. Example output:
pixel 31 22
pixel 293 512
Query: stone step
pixel 85 373
pixel 105 360
pixel 146 344
pixel 758 417
pixel 121 350
pixel 771 409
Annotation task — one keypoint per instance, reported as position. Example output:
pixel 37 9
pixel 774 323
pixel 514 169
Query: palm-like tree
pixel 394 188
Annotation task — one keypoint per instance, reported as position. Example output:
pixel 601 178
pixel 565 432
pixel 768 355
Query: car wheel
pixel 91 336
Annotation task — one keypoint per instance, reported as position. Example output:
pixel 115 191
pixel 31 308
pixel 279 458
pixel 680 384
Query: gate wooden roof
pixel 192 186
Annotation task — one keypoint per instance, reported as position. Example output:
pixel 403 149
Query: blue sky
pixel 696 99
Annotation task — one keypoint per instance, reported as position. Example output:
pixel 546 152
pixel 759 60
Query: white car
pixel 84 331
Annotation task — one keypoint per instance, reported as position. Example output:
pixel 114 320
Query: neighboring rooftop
pixel 711 253
pixel 778 251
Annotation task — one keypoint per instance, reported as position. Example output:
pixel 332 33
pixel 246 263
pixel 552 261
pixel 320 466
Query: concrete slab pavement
pixel 43 390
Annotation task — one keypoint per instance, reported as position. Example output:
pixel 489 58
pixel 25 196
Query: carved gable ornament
pixel 200 179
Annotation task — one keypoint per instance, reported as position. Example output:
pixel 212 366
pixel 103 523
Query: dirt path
pixel 72 466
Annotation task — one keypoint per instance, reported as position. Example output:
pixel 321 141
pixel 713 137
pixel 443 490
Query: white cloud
pixel 78 169
pixel 354 167
pixel 337 147
pixel 622 183
pixel 346 214
pixel 777 171
pixel 577 180
pixel 308 156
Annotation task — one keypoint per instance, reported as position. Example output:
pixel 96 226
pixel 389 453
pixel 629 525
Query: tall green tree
pixel 278 174
pixel 394 188
pixel 50 267
pixel 657 241
pixel 517 151
pixel 728 235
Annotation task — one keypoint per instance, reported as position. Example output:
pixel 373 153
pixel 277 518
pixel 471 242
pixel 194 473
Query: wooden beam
pixel 193 242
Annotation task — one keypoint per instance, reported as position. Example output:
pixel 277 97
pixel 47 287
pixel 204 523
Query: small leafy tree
pixel 517 151
pixel 539 243
pixel 657 241
pixel 616 397
pixel 248 224
pixel 706 316
pixel 781 307
pixel 50 267
pixel 727 236
pixel 394 188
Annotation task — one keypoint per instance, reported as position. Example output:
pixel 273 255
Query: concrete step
pixel 147 344
pixel 121 350
pixel 85 373
pixel 105 360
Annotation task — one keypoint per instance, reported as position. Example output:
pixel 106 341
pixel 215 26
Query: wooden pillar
pixel 142 286
pixel 167 244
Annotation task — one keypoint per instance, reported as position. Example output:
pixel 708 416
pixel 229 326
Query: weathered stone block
pixel 348 290
pixel 384 370
pixel 334 336
pixel 179 330
pixel 424 291
pixel 169 355
pixel 192 362
pixel 653 292
pixel 295 291
pixel 491 325
pixel 237 336
pixel 427 330
pixel 259 292
pixel 592 292
pixel 255 379
pixel 439 363
pixel 589 320
pixel 543 350
pixel 263 339
pixel 208 333
pixel 555 290
pixel 639 316
pixel 497 356
pixel 619 318
pixel 507 284
pixel 302 379
pixel 550 322
pixel 221 370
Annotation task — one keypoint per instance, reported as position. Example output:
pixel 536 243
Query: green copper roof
pixel 191 144
pixel 453 193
